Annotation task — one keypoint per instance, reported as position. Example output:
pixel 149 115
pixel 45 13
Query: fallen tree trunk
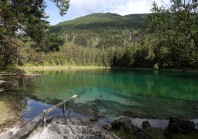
pixel 32 124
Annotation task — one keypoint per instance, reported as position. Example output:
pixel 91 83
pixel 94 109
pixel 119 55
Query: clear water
pixel 138 94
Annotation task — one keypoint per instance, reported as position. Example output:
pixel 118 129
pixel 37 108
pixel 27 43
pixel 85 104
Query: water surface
pixel 138 94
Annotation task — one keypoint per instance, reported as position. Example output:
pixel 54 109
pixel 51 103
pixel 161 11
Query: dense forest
pixel 97 39
pixel 166 38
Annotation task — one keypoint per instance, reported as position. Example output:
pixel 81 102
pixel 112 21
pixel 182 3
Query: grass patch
pixel 56 68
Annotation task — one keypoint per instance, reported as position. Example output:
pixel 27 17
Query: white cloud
pixel 136 6
pixel 132 7
pixel 79 7
pixel 84 7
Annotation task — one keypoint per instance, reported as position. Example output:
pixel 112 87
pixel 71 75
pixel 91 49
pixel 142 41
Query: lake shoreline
pixel 146 127
pixel 61 68
pixel 28 71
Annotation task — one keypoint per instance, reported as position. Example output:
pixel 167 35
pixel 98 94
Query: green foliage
pixel 51 42
pixel 176 29
pixel 155 67
pixel 63 5
pixel 21 19
pixel 69 54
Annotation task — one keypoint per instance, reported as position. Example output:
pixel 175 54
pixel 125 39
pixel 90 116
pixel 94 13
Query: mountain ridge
pixel 102 29
pixel 102 16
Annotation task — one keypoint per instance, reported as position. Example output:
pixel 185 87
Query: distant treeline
pixel 144 54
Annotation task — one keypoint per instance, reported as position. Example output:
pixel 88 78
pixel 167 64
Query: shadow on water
pixel 189 77
pixel 173 74
pixel 180 75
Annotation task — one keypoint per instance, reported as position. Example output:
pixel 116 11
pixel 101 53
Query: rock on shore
pixel 71 128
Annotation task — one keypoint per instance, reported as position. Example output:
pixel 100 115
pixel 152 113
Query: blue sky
pixel 84 7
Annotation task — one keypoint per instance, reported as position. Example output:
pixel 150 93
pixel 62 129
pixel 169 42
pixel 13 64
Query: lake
pixel 138 94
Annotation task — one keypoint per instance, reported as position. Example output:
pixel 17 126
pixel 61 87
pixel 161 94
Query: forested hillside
pixel 100 39
pixel 102 30
pixel 106 39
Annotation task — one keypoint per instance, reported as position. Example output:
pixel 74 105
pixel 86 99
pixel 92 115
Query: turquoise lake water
pixel 138 94
pixel 110 93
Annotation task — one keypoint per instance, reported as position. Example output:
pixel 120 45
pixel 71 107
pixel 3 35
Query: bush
pixel 155 67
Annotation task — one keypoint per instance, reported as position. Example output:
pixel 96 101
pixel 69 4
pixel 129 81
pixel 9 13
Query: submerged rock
pixel 179 126
pixel 94 112
pixel 125 124
pixel 146 125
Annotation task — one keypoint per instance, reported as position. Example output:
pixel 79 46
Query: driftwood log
pixel 23 132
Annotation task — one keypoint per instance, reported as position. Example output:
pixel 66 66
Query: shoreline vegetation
pixel 29 71
pixel 66 67
pixel 56 68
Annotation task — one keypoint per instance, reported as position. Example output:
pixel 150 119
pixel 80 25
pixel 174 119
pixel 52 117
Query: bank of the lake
pixel 15 72
pixel 59 68
pixel 72 67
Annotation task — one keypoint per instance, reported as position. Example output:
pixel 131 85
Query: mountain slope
pixel 102 29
